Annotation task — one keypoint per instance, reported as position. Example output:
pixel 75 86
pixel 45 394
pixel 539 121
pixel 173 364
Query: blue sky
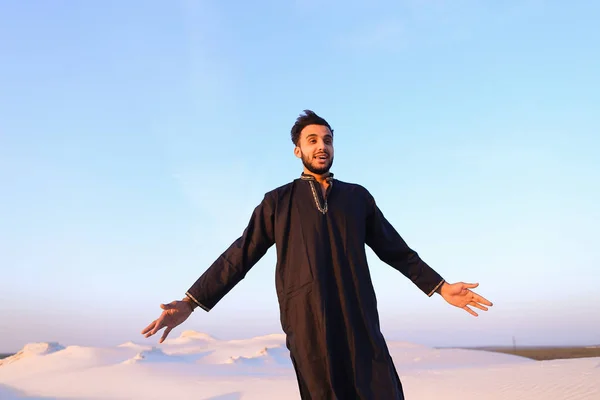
pixel 137 137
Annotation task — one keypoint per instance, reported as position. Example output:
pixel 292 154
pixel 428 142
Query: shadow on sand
pixel 228 396
pixel 8 393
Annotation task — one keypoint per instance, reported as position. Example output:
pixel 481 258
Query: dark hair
pixel 308 118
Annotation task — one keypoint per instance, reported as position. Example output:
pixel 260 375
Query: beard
pixel 317 169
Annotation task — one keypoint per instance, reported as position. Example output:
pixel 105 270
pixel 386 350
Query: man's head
pixel 313 138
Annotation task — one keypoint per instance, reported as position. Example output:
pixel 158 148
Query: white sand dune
pixel 32 350
pixel 154 355
pixel 268 356
pixel 200 367
pixel 188 337
pixel 137 346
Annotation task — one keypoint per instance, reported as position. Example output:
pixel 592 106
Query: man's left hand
pixel 460 295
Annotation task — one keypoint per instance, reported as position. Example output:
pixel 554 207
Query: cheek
pixel 308 150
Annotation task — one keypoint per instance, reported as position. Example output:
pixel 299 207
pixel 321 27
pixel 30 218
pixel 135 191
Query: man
pixel 320 226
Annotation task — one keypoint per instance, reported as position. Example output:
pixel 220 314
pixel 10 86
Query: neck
pixel 321 178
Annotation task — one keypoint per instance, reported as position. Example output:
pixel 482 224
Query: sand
pixel 200 367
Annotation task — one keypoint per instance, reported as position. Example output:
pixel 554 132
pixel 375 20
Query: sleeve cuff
pixel 436 288
pixel 202 306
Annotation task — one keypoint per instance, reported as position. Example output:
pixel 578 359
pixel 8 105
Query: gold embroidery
pixel 188 294
pixel 436 288
pixel 314 192
pixel 311 180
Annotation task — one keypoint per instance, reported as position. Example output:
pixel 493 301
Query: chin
pixel 320 170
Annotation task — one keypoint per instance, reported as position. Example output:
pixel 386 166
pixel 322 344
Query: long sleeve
pixel 235 262
pixel 389 246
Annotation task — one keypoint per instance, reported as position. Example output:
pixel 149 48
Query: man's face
pixel 315 149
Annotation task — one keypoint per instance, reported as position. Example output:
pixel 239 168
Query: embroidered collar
pixel 309 177
pixel 311 180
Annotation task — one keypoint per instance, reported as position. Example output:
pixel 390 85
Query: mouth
pixel 322 157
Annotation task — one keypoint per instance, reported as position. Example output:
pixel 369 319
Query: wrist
pixel 441 288
pixel 190 302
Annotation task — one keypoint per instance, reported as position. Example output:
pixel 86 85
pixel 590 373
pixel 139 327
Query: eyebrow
pixel 314 134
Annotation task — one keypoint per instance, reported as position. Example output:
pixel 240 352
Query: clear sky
pixel 137 137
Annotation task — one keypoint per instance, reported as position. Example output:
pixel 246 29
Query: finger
pixel 170 306
pixel 473 313
pixel 157 327
pixel 165 334
pixel 477 305
pixel 149 327
pixel 482 300
pixel 470 285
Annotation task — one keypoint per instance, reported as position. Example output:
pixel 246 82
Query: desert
pixel 195 365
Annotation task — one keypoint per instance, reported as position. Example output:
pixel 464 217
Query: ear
pixel 297 152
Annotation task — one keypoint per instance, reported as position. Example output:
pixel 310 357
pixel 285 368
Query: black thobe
pixel 327 302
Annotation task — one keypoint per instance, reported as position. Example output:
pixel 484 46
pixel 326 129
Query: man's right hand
pixel 173 315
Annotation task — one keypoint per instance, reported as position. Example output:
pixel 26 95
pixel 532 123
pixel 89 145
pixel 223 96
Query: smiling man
pixel 320 227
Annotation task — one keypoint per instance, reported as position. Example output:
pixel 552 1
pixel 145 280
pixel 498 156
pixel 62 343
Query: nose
pixel 321 144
